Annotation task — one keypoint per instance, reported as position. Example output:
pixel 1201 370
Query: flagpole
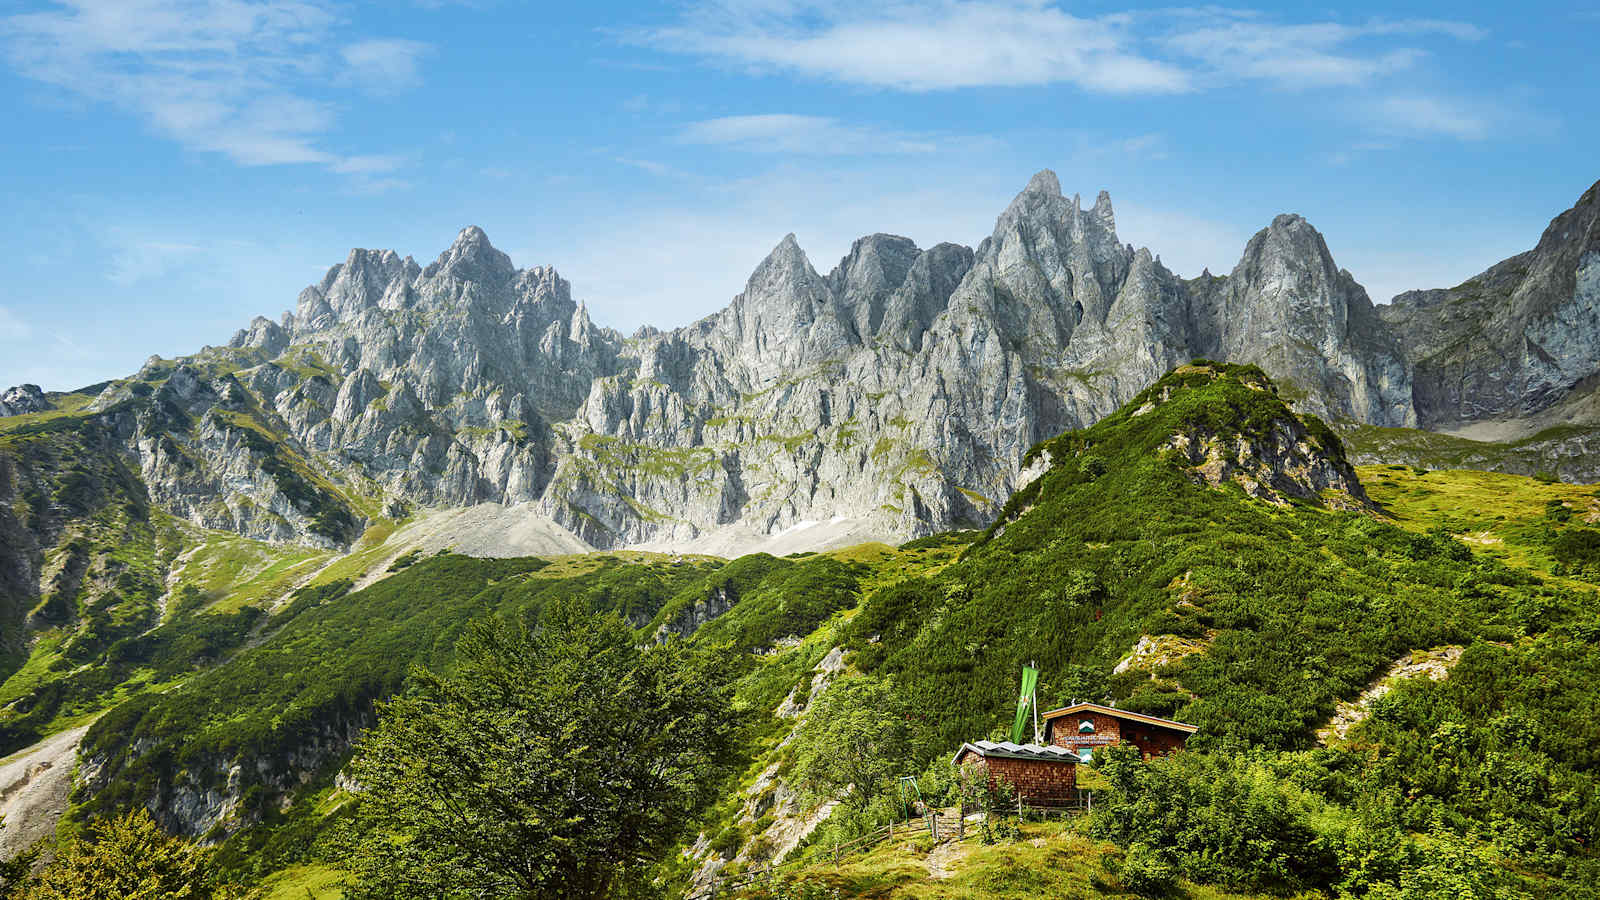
pixel 1038 738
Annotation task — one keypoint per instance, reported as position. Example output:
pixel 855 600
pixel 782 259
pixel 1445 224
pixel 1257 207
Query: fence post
pixel 1019 807
pixel 961 822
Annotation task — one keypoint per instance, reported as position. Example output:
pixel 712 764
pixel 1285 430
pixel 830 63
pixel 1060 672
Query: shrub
pixel 1217 818
pixel 1146 872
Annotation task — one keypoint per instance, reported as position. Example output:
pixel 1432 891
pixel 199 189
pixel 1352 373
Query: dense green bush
pixel 1145 872
pixel 1221 819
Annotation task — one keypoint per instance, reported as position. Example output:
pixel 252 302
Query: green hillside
pixel 1280 611
pixel 1203 517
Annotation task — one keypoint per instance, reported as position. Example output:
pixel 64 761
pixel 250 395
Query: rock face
pixel 903 388
pixel 209 793
pixel 1287 462
pixel 1515 340
pixel 894 395
pixel 1290 310
pixel 24 398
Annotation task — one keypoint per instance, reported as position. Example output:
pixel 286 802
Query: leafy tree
pixel 558 762
pixel 128 857
pixel 855 740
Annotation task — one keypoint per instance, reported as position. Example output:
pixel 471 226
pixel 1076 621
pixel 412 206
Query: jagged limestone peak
pixel 1044 182
pixel 868 275
pixel 471 258
pixel 1103 213
pixel 897 393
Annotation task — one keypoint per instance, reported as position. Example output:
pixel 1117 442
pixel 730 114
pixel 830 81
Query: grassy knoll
pixel 1049 859
pixel 1513 518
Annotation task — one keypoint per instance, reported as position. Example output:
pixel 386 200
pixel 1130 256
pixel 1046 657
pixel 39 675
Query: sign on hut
pixel 1081 727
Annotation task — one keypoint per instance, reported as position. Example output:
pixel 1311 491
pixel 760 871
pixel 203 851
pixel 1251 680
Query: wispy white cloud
pixel 807 135
pixel 946 44
pixel 1420 115
pixel 385 66
pixel 369 186
pixel 918 47
pixel 140 259
pixel 644 104
pixel 375 164
pixel 648 165
pixel 1143 146
pixel 235 77
pixel 1230 44
pixel 1348 153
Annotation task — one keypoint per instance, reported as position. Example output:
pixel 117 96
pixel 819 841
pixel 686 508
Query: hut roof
pixel 1129 715
pixel 1008 750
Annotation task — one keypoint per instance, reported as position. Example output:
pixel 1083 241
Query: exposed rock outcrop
pixel 24 398
pixel 718 601
pixel 1287 462
pixel 1434 664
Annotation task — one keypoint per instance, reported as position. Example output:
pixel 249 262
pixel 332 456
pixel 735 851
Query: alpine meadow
pixel 1036 566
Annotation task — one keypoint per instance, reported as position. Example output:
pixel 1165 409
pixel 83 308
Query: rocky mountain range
pixel 895 395
pixel 1515 341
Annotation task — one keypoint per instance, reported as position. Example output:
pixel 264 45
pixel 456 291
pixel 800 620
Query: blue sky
pixel 174 167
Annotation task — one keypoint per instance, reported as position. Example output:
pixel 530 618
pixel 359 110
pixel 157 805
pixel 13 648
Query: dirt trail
pixel 1434 664
pixel 34 784
pixel 943 858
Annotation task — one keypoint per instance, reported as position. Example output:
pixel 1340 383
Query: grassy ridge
pixel 1118 540
pixel 1292 607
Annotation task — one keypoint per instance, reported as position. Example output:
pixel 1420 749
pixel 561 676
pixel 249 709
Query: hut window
pixel 1085 754
pixel 1086 726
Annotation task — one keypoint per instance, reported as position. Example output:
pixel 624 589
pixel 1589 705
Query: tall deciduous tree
pixel 854 741
pixel 556 762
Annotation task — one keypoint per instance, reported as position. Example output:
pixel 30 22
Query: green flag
pixel 1030 677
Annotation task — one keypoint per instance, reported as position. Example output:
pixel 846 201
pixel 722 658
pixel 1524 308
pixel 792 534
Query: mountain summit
pixel 894 395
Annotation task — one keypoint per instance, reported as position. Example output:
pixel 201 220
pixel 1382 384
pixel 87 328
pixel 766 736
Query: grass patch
pixel 303 882
pixel 1051 860
pixel 1508 517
